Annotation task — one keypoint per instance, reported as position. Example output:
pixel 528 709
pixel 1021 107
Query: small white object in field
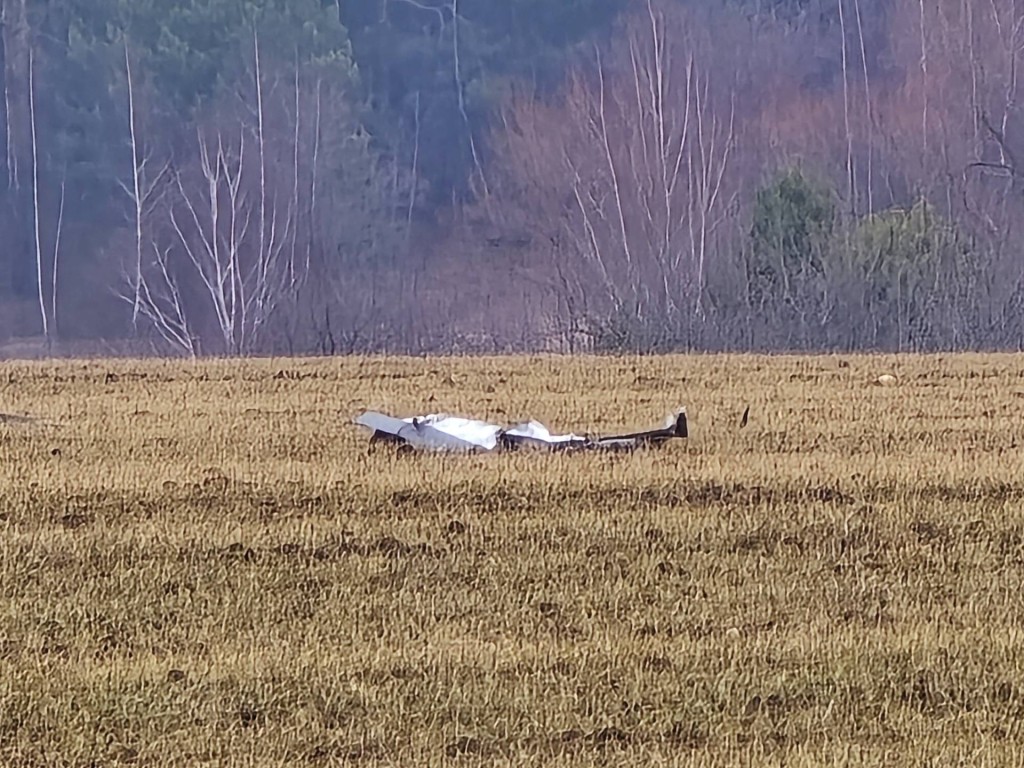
pixel 732 633
pixel 886 380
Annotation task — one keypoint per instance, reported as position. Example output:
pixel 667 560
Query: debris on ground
pixel 453 434
pixel 18 419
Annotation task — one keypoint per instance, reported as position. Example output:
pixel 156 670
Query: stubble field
pixel 206 564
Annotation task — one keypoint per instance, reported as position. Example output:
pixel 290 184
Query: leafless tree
pixel 637 166
pixel 17 44
pixel 868 106
pixel 161 303
pixel 144 193
pixel 56 252
pixel 851 178
pixel 43 313
pixel 223 252
pixel 924 78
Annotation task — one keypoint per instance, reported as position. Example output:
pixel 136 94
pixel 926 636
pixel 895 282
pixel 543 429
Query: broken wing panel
pixel 434 432
pixel 380 422
pixel 470 431
pixel 428 437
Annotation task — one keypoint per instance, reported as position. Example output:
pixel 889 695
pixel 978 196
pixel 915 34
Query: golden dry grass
pixel 204 564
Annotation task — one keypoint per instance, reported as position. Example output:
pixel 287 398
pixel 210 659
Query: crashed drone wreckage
pixel 452 434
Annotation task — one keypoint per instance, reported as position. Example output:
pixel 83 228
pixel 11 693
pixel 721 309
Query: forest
pixel 305 177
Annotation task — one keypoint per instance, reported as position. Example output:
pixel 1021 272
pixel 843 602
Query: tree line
pixel 262 176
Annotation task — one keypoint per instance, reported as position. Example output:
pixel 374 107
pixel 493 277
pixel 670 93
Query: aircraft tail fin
pixel 681 428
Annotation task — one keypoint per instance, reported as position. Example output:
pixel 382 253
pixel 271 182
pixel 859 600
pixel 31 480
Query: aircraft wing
pixel 380 422
pixel 675 426
pixel 433 432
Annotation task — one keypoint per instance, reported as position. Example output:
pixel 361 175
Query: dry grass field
pixel 205 564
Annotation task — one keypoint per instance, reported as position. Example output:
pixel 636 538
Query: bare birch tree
pixel 277 182
pixel 224 250
pixel 144 193
pixel 43 313
pixel 161 304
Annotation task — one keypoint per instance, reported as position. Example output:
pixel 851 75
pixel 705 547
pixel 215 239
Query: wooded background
pixel 320 177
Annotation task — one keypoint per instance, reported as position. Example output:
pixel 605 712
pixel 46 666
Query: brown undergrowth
pixel 207 564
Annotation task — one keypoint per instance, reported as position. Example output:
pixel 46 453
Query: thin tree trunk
pixel 137 192
pixel 18 243
pixel 11 161
pixel 924 85
pixel 263 172
pixel 415 172
pixel 295 177
pixel 313 176
pixel 850 172
pixel 56 254
pixel 460 93
pixel 867 105
pixel 619 209
pixel 35 199
pixel 14 18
